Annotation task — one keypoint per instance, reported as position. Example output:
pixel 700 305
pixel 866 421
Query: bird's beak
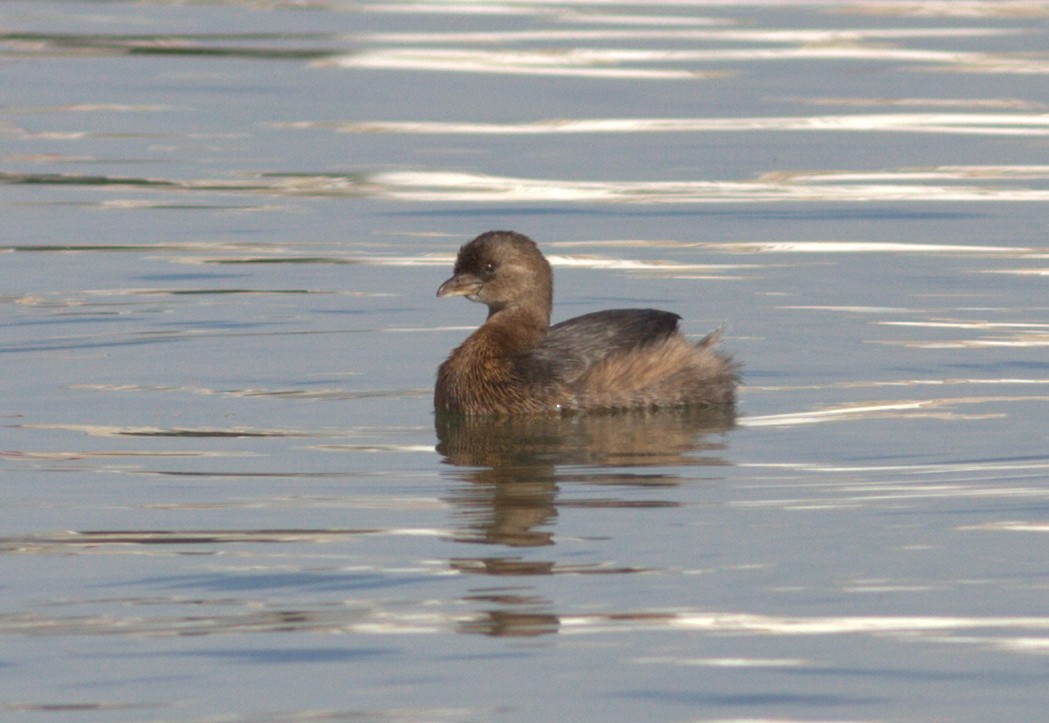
pixel 460 285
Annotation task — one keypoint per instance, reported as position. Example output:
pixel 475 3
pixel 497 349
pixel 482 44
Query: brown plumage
pixel 516 363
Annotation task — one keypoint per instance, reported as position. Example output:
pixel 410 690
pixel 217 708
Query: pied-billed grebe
pixel 516 363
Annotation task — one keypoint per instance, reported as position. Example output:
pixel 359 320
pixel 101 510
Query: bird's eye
pixel 489 269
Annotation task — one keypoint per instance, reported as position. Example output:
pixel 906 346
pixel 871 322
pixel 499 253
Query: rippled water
pixel 225 496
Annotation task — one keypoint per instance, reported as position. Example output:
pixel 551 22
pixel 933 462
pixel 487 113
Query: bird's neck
pixel 516 329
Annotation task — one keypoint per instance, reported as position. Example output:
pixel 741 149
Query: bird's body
pixel 516 363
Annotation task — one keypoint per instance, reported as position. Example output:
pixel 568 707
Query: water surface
pixel 225 495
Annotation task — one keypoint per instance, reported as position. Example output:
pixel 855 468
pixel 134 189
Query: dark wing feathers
pixel 575 345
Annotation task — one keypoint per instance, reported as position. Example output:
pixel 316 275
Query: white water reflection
pixel 899 409
pixel 872 247
pixel 671 31
pixel 1019 272
pixel 904 184
pixel 1004 124
pixel 1010 526
pixel 554 8
pixel 940 9
pixel 586 63
pixel 578 63
pixel 1009 634
pixel 446 187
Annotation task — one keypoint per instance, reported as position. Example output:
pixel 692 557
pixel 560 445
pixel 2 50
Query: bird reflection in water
pixel 511 470
pixel 513 466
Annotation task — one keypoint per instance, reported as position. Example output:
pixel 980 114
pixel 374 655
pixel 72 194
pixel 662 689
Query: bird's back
pixel 574 346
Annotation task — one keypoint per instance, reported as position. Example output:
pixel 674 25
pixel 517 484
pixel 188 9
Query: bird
pixel 517 364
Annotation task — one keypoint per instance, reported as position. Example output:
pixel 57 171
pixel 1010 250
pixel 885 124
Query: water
pixel 224 494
